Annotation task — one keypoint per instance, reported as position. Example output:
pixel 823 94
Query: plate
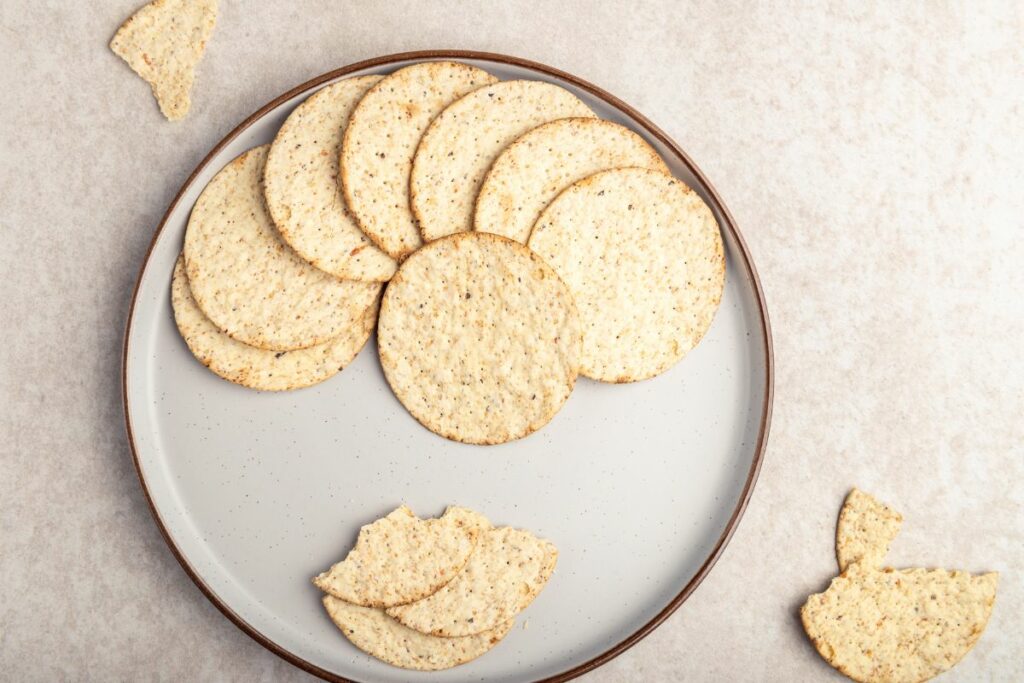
pixel 639 485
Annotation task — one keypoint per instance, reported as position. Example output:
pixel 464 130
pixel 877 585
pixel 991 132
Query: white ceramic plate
pixel 639 485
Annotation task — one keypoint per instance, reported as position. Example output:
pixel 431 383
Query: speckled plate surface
pixel 639 485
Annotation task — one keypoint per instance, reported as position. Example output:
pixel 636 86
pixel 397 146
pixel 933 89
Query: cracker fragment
pixel 464 140
pixel 163 42
pixel 479 338
pixel 378 635
pixel 540 164
pixel 248 282
pixel 898 626
pixel 507 570
pixel 401 558
pixel 303 192
pixel 643 257
pixel 258 368
pixel 381 139
pixel 865 530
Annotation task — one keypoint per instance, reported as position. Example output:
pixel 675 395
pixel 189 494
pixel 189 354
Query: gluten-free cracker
pixel 464 140
pixel 378 635
pixel 248 282
pixel 401 558
pixel 506 571
pixel 643 256
pixel 303 192
pixel 540 164
pixel 380 141
pixel 259 368
pixel 479 338
pixel 865 530
pixel 163 42
pixel 898 626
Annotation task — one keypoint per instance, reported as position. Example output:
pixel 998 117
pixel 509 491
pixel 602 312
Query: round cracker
pixel 248 282
pixel 258 368
pixel 479 338
pixel 540 164
pixel 507 570
pixel 303 194
pixel 643 257
pixel 401 558
pixel 381 139
pixel 465 139
pixel 380 636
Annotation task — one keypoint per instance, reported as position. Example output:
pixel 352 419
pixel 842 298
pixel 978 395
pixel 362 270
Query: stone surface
pixel 872 157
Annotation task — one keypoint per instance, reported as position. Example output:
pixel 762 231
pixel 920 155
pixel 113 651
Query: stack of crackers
pixel 523 240
pixel 433 594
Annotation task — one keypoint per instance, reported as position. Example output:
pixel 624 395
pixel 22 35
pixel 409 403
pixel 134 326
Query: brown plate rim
pixel 729 225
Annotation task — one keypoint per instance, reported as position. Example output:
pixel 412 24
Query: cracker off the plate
pixel 865 530
pixel 479 338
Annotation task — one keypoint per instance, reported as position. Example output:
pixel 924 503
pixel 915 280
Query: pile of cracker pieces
pixel 523 241
pixel 433 594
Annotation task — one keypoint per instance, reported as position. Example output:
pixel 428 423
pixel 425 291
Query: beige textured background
pixel 873 158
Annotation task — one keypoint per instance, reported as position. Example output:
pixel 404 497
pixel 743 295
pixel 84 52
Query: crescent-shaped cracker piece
pixel 898 626
pixel 401 558
pixel 163 42
pixel 380 636
pixel 507 570
pixel 865 530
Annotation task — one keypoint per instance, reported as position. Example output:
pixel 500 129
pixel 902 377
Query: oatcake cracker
pixel 479 338
pixel 378 635
pixel 302 190
pixel 536 167
pixel 248 282
pixel 643 257
pixel 463 141
pixel 401 558
pixel 507 570
pixel 902 626
pixel 865 530
pixel 163 42
pixel 381 139
pixel 258 368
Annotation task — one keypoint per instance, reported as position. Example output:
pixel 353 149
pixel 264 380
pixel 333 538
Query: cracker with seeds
pixel 302 190
pixel 248 282
pixel 163 43
pixel 906 626
pixel 540 164
pixel 381 139
pixel 507 570
pixel 378 635
pixel 479 338
pixel 258 368
pixel 865 530
pixel 643 257
pixel 463 141
pixel 401 558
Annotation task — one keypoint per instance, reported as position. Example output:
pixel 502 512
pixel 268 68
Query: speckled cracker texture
pixel 401 558
pixel 465 139
pixel 536 167
pixel 258 368
pixel 303 192
pixel 507 570
pixel 248 282
pixel 378 635
pixel 894 626
pixel 479 338
pixel 163 42
pixel 643 257
pixel 865 530
pixel 381 139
